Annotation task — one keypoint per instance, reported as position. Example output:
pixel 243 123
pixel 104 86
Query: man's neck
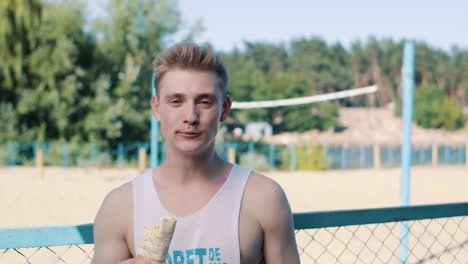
pixel 188 169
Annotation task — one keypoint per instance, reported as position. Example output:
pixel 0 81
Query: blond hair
pixel 190 56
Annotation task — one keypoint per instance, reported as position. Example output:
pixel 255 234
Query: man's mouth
pixel 189 134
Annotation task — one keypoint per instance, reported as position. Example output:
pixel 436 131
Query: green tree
pixel 266 71
pixel 128 39
pixel 19 21
pixel 377 62
pixel 62 79
pixel 433 109
pixel 458 76
pixel 42 77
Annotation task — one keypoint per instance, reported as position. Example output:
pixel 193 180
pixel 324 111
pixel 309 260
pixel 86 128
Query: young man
pixel 225 213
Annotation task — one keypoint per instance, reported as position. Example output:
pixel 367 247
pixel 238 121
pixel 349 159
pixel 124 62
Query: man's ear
pixel 226 109
pixel 155 107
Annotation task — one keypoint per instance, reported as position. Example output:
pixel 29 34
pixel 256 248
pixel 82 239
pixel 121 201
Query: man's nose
pixel 191 114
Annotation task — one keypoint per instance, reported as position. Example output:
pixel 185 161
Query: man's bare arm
pixel 275 217
pixel 111 225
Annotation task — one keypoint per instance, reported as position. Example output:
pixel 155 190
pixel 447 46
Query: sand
pixel 73 195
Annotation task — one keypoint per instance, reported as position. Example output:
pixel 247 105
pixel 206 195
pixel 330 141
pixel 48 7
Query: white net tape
pixel 305 100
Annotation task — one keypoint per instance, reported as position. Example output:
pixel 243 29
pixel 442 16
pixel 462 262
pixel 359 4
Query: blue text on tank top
pixel 195 256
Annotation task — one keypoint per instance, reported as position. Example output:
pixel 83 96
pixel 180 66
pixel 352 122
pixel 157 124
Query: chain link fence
pixel 436 234
pixel 258 155
pixel 442 240
pixel 54 254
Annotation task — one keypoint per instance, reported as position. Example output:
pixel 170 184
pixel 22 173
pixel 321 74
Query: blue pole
pixel 292 164
pixel 120 154
pixel 12 153
pixel 325 153
pixel 466 153
pixel 93 152
pixel 65 154
pixel 421 155
pixel 362 157
pixel 36 147
pixel 460 155
pixel 447 157
pixel 271 156
pixel 154 133
pixel 235 150
pixel 424 153
pixel 45 150
pixel 408 93
pixel 390 155
pixel 343 157
pixel 251 154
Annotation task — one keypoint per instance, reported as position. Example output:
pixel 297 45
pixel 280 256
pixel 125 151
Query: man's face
pixel 190 107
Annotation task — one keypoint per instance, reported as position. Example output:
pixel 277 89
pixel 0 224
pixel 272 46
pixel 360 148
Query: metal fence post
pixel 12 153
pixel 45 150
pixel 344 157
pixel 407 113
pixel 65 154
pixel 390 156
pixel 292 162
pixel 362 157
pixel 232 151
pixel 92 152
pixel 420 155
pixel 120 154
pixel 39 158
pixel 271 156
pixel 36 148
pixel 154 147
pixel 447 156
pixel 377 158
pixel 460 155
pixel 466 153
pixel 435 154
pixel 251 154
pixel 141 157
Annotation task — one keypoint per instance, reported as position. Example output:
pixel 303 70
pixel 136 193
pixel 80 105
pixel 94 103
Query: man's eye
pixel 206 102
pixel 175 101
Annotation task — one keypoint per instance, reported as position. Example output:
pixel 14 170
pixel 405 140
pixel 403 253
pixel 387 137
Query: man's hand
pixel 140 260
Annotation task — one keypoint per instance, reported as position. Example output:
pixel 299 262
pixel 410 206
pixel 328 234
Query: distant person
pixel 225 213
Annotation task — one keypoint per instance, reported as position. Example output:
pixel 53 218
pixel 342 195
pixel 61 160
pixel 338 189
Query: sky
pixel 442 24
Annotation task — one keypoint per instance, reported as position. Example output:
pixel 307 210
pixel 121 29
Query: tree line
pixel 66 77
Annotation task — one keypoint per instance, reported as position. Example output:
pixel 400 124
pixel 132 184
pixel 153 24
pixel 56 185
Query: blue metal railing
pixel 445 222
pixel 259 155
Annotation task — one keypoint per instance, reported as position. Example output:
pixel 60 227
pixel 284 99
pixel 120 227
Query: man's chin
pixel 193 149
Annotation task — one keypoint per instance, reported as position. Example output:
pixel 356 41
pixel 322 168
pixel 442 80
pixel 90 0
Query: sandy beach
pixel 73 195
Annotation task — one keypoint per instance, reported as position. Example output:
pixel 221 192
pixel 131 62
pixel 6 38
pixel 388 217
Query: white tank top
pixel 209 236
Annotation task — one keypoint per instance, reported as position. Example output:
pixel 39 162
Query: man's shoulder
pixel 117 200
pixel 264 197
pixel 267 204
pixel 263 186
pixel 123 194
pixel 112 223
pixel 120 193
